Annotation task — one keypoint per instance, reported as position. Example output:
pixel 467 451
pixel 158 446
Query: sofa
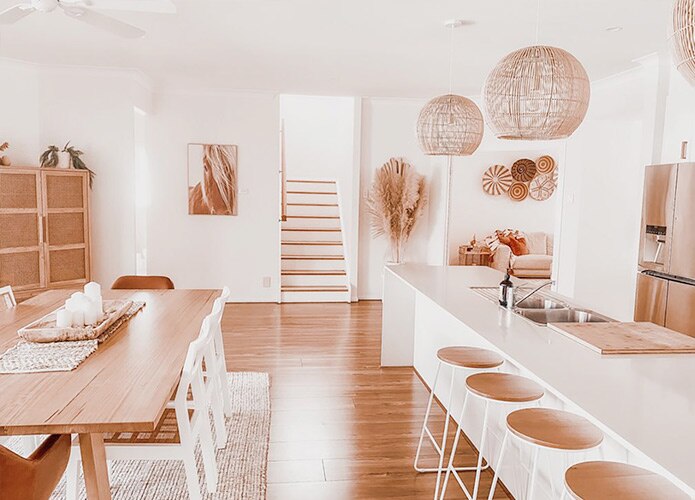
pixel 538 263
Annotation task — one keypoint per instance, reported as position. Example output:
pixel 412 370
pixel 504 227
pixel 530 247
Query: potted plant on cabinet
pixel 68 157
pixel 5 160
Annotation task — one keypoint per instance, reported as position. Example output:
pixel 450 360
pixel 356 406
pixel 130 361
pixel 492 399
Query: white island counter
pixel 645 404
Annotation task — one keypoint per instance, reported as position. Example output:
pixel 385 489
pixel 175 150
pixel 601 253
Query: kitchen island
pixel 645 404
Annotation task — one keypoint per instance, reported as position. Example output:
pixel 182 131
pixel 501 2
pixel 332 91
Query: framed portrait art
pixel 212 179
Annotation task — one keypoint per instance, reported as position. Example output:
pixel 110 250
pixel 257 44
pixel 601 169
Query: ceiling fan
pixel 80 10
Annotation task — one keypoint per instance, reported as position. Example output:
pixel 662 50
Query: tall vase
pixel 64 159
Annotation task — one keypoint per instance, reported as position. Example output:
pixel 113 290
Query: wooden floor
pixel 342 427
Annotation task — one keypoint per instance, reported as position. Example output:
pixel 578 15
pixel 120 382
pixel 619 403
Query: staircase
pixel 313 258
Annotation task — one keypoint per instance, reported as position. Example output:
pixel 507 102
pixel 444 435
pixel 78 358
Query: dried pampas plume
pixel 396 201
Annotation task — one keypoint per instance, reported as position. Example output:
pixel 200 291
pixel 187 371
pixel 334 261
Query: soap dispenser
pixel 506 297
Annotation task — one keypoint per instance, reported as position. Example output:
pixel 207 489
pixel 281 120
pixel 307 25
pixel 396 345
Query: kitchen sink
pixel 540 303
pixel 568 315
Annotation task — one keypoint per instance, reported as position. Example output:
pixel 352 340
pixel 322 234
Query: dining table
pixel 122 387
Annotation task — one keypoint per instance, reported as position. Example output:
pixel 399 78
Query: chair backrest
pixel 143 283
pixel 36 477
pixel 216 325
pixel 7 300
pixel 192 380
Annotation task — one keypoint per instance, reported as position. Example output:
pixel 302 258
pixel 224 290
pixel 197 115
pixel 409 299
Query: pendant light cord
pixel 538 20
pixel 451 59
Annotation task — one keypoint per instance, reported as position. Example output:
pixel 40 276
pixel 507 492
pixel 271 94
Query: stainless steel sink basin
pixel 569 315
pixel 540 303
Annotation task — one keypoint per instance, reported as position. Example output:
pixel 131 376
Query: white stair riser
pixel 311 210
pixel 312 250
pixel 302 223
pixel 311 198
pixel 313 280
pixel 311 235
pixel 313 264
pixel 315 297
pixel 310 186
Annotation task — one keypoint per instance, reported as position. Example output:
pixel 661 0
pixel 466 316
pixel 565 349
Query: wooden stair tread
pixel 313 216
pixel 312 229
pixel 311 192
pixel 318 288
pixel 313 257
pixel 325 243
pixel 310 181
pixel 313 272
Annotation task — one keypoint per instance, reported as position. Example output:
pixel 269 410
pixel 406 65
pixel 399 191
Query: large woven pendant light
pixel 683 38
pixel 450 124
pixel 536 93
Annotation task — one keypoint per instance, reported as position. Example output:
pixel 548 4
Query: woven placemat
pixel 36 357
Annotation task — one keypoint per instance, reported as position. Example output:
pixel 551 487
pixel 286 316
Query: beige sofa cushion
pixel 532 261
pixel 538 243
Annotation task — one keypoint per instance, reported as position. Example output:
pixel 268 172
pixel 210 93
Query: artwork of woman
pixel 212 179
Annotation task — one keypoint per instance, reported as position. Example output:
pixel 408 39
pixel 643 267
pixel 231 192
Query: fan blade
pixel 107 23
pixel 153 6
pixel 14 14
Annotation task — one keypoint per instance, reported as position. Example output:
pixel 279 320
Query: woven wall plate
pixel 518 191
pixel 524 170
pixel 545 164
pixel 497 180
pixel 542 187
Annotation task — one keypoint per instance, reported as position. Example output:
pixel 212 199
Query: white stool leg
pixel 499 464
pixel 480 451
pixel 534 468
pixel 72 475
pixel 445 434
pixel 424 424
pixel 454 447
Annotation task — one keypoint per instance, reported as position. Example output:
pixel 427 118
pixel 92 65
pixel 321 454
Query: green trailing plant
pixel 49 159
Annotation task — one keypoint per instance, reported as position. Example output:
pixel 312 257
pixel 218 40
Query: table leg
pixel 96 473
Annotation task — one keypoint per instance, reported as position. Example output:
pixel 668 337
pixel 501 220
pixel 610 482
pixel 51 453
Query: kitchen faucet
pixel 537 289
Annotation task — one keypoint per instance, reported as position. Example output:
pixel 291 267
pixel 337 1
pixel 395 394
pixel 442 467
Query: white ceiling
pixel 350 47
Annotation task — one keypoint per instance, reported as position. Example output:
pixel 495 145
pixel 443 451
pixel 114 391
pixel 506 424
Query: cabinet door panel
pixel 680 308
pixel 19 190
pixel 22 270
pixel 64 190
pixel 19 230
pixel 65 229
pixel 67 266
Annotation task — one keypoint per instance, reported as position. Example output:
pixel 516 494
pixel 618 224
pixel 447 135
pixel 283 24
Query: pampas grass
pixel 396 201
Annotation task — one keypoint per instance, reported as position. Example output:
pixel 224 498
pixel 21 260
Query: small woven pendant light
pixel 450 125
pixel 536 93
pixel 683 38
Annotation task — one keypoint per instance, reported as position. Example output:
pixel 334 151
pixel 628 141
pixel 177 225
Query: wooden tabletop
pixel 124 386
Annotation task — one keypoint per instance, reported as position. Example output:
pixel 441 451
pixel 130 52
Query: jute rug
pixel 242 465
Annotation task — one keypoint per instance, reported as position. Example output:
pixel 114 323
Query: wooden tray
pixel 627 338
pixel 45 329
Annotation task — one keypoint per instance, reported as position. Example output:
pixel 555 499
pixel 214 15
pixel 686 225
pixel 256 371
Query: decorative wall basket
pixel 683 38
pixel 524 170
pixel 536 93
pixel 545 164
pixel 542 187
pixel 518 191
pixel 497 180
pixel 450 125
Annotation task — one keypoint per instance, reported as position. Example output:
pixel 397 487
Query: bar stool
pixel 617 481
pixel 548 429
pixel 503 388
pixel 455 357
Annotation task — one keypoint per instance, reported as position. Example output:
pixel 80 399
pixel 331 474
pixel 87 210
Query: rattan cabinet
pixel 44 229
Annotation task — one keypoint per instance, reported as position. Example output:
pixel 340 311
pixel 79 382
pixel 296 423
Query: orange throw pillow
pixel 518 245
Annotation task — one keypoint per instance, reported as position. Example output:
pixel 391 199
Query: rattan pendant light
pixel 536 93
pixel 450 124
pixel 683 38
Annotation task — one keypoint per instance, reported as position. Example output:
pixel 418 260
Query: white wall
pixel 19 115
pixel 320 144
pixel 388 130
pixel 211 251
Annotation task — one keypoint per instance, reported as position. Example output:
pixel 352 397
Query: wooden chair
pixel 178 431
pixel 143 283
pixel 7 300
pixel 35 477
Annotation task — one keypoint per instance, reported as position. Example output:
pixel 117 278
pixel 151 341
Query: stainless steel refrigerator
pixel 666 278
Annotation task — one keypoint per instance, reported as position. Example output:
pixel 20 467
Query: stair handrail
pixel 283 174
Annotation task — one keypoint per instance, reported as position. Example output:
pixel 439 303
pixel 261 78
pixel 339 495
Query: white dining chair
pixel 178 431
pixel 7 300
pixel 219 352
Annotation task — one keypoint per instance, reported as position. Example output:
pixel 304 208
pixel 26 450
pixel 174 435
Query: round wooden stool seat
pixel 618 481
pixel 556 429
pixel 504 387
pixel 470 357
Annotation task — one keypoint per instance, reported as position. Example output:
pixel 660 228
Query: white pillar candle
pixel 72 305
pixel 93 290
pixel 91 314
pixel 63 318
pixel 78 318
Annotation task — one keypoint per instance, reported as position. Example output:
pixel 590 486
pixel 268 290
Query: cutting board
pixel 627 338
